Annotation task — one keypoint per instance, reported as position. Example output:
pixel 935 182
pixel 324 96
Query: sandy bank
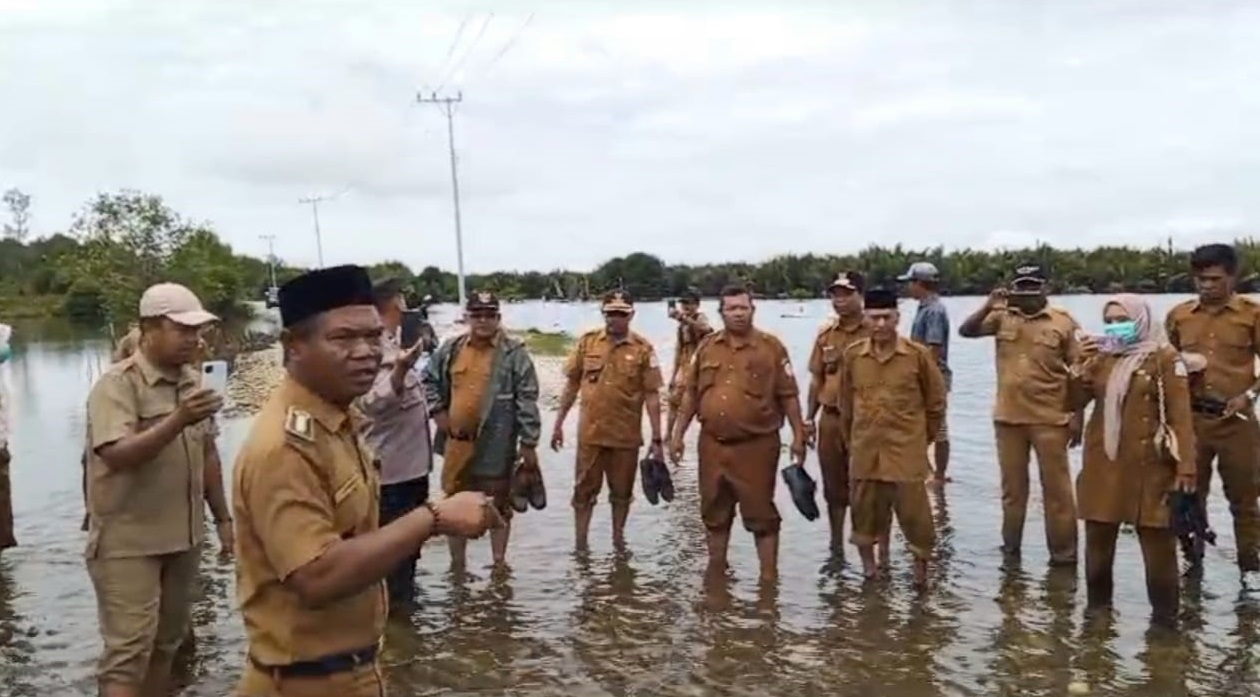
pixel 257 374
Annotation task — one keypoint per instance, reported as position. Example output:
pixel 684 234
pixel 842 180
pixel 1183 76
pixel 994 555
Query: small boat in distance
pixel 799 314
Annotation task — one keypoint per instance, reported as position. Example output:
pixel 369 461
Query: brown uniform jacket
pixel 825 361
pixel 304 480
pixel 1228 336
pixel 686 343
pixel 1133 488
pixel 158 507
pixel 892 406
pixel 1033 357
pixel 736 385
pixel 615 378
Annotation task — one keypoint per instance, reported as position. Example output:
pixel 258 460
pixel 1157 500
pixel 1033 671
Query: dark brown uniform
pixel 1134 488
pixel 736 385
pixel 1032 411
pixel 615 377
pixel 685 345
pixel 825 370
pixel 1229 337
pixel 892 407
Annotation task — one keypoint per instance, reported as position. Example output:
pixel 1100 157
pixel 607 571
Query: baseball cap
pixel 851 280
pixel 617 301
pixel 176 303
pixel 483 301
pixel 1028 273
pixel 920 271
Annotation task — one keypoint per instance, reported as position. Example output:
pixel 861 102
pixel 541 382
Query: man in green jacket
pixel 482 392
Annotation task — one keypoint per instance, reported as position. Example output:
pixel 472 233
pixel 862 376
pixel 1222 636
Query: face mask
pixel 1027 303
pixel 1125 332
pixel 6 352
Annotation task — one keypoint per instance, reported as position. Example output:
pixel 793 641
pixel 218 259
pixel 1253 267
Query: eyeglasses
pixel 617 314
pixel 483 316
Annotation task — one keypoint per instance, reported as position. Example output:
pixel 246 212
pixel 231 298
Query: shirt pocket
pixel 351 505
pixel 707 374
pixel 830 358
pixel 592 367
pixel 1236 341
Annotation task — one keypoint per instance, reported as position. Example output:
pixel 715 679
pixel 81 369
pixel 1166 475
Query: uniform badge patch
pixel 1179 368
pixel 299 423
pixel 787 368
pixel 652 362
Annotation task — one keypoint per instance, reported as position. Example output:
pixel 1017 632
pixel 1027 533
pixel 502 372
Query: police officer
pixel 310 554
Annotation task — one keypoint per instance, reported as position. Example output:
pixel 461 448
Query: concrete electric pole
pixel 447 106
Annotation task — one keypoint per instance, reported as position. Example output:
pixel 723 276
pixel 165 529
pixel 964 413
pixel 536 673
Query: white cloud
pixel 737 133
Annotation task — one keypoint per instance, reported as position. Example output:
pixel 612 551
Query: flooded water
pixel 643 624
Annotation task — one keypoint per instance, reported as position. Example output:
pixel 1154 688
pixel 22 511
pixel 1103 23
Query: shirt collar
pixel 153 375
pixel 329 415
pixel 1234 303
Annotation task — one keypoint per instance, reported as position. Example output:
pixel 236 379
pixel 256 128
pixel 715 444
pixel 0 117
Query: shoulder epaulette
pixel 299 424
pixel 828 325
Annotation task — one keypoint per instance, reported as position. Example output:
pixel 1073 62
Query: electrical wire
pixel 463 59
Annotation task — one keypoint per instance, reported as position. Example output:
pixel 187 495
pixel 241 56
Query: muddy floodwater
pixel 643 623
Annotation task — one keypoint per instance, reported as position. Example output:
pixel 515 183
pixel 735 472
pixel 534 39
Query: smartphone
pixel 214 376
pixel 671 304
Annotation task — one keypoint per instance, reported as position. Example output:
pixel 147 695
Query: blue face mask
pixel 6 352
pixel 1126 331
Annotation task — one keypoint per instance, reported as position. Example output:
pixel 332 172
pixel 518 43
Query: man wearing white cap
pixel 931 328
pixel 152 468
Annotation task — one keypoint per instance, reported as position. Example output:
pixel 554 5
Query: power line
pixel 463 59
pixel 447 106
pixel 507 46
pixel 459 33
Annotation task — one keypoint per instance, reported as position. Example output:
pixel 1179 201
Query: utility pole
pixel 319 240
pixel 447 106
pixel 271 256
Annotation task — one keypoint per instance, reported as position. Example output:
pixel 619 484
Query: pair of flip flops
pixel 657 484
pixel 802 488
pixel 528 490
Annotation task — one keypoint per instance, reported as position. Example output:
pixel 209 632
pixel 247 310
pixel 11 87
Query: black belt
pixel 320 667
pixel 831 410
pixel 465 437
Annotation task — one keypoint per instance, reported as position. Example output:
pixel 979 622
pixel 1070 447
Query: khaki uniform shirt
pixel 1033 357
pixel 828 354
pixel 470 378
pixel 737 383
pixel 615 378
pixel 1228 336
pixel 688 340
pixel 158 507
pixel 892 406
pixel 304 480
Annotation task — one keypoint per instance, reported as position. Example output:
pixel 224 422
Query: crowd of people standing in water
pixel 331 505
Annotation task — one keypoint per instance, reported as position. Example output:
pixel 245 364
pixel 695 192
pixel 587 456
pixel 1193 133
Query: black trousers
pixel 397 500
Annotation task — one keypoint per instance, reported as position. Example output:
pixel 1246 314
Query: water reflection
pixel 645 623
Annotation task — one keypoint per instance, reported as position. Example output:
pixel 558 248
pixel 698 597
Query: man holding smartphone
pixel 1036 346
pixel 692 327
pixel 152 467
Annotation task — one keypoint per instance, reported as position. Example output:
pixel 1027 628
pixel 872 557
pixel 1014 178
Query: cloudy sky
pixel 697 135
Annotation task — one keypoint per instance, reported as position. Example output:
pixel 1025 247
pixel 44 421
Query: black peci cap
pixel 880 299
pixel 316 292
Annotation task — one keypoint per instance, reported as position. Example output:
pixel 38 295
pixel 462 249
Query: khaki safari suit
pixel 826 363
pixel 1134 488
pixel 146 524
pixel 736 384
pixel 615 377
pixel 1229 337
pixel 686 342
pixel 893 406
pixel 305 479
pixel 1033 358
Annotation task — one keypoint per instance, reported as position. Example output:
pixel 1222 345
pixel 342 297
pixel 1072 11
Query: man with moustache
pixel 306 492
pixel 741 386
pixel 1224 327
pixel 616 372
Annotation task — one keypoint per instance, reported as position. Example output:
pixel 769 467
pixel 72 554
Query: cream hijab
pixel 1150 338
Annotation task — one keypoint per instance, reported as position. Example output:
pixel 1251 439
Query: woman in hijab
pixel 1139 447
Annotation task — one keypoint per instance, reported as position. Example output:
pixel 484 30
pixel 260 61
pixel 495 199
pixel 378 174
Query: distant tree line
pixel 119 243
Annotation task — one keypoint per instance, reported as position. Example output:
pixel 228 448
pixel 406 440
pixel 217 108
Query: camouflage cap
pixel 482 300
pixel 617 301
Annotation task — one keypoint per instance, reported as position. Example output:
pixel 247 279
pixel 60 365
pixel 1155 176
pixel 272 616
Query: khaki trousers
pixel 1015 443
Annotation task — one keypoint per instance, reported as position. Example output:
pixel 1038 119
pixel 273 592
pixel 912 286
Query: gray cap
pixel 920 271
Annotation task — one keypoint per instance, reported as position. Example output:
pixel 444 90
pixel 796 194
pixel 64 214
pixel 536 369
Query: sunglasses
pixel 483 316
pixel 616 314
